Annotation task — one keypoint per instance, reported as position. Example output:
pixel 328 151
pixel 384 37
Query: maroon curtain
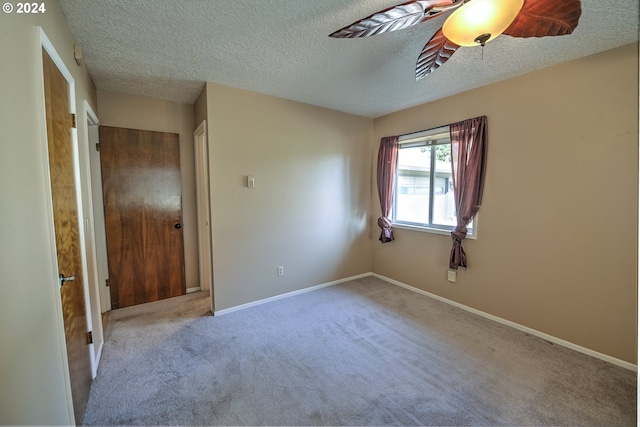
pixel 387 164
pixel 468 162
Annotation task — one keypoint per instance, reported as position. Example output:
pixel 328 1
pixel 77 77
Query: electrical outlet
pixel 451 275
pixel 280 271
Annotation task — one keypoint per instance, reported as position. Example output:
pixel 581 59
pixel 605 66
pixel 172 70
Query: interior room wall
pixel 34 386
pixel 141 112
pixel 308 210
pixel 557 231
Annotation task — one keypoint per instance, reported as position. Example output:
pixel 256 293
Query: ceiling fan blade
pixel 541 18
pixel 435 53
pixel 395 18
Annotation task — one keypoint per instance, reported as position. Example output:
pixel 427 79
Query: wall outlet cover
pixel 451 275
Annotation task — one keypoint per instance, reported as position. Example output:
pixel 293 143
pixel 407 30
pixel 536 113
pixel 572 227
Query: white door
pixel 203 209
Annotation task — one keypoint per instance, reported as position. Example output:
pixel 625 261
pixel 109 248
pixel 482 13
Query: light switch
pixel 251 183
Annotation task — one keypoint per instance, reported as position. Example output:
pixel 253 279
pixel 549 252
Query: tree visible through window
pixel 424 189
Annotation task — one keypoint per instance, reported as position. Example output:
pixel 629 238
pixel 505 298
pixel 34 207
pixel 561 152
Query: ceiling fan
pixel 471 23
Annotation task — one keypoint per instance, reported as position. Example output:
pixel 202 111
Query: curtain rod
pixel 435 127
pixel 423 130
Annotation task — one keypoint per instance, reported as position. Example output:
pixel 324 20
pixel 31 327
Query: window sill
pixel 430 230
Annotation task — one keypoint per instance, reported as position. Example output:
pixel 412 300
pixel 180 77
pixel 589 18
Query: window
pixel 423 196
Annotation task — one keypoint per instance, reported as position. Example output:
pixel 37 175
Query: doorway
pixel 143 215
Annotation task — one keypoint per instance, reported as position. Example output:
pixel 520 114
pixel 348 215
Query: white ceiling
pixel 168 48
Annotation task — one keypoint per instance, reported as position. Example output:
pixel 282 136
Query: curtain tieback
pixel 384 222
pixel 386 235
pixel 458 235
pixel 457 257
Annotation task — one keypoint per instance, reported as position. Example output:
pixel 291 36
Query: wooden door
pixel 143 214
pixel 66 225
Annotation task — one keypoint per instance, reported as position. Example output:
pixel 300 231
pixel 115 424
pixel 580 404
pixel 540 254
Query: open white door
pixel 205 260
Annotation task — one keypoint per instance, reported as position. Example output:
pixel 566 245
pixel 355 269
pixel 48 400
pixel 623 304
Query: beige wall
pixel 308 210
pixel 33 373
pixel 557 231
pixel 140 112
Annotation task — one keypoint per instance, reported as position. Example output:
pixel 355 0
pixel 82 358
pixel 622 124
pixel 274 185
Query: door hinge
pixel 89 337
pixel 73 120
pixel 107 283
pixel 98 147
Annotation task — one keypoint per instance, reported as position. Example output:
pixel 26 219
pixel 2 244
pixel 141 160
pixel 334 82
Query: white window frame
pixel 426 138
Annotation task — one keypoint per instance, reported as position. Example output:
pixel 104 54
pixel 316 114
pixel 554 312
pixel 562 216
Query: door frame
pixel 203 208
pixel 93 251
pixel 97 207
pixel 45 43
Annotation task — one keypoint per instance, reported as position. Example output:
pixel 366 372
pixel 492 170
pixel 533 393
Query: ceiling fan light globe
pixel 479 17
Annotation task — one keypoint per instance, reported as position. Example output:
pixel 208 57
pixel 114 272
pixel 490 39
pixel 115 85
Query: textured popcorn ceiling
pixel 168 48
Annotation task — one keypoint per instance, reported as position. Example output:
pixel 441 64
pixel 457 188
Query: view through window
pixel 423 196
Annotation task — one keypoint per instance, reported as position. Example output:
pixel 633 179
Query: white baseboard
pixel 500 320
pixel 288 294
pixel 514 325
pixel 196 289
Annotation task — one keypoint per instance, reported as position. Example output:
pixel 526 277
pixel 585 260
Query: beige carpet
pixel 361 353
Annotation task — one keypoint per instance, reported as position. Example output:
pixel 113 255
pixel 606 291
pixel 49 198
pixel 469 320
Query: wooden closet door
pixel 143 214
pixel 67 230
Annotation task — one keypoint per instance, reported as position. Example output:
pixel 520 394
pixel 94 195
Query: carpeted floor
pixel 361 353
